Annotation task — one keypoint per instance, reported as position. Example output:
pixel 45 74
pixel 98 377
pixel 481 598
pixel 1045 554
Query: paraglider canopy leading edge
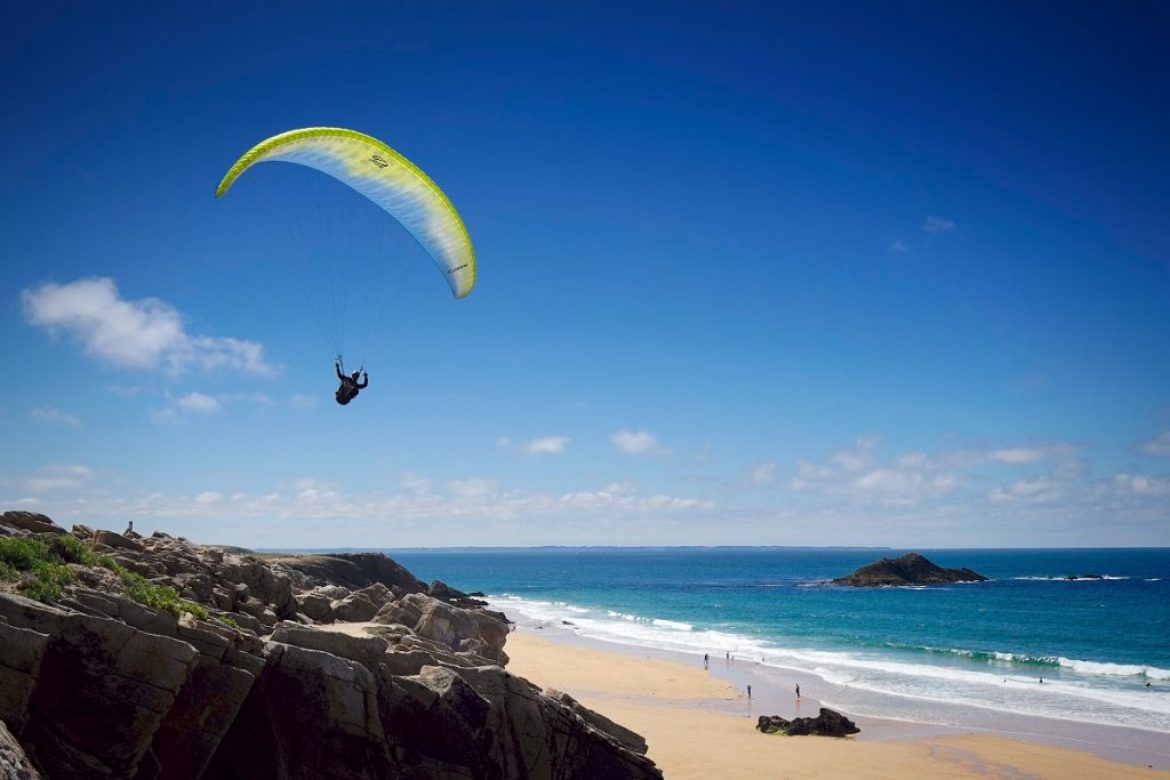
pixel 383 176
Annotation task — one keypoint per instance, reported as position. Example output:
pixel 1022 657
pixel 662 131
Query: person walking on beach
pixel 706 660
pixel 798 690
pixel 749 693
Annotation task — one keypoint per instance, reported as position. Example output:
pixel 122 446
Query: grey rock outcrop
pixel 29 521
pixel 479 631
pixel 239 682
pixel 14 764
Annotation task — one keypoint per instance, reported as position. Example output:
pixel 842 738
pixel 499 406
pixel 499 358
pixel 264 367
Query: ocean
pixel 970 654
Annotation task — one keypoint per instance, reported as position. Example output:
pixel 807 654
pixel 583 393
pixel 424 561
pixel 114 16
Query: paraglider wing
pixel 385 177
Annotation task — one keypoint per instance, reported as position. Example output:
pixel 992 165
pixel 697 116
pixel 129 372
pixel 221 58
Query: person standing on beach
pixel 749 693
pixel 798 690
pixel 706 660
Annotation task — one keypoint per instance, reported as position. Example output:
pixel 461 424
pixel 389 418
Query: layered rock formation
pixel 829 723
pixel 909 569
pixel 237 678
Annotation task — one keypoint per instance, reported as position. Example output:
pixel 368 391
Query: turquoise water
pixel 886 652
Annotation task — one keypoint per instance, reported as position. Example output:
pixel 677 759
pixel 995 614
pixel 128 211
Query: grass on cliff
pixel 40 571
pixel 37 572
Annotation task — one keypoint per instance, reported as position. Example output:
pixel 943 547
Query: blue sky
pixel 856 274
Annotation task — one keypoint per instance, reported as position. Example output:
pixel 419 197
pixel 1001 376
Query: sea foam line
pixel 1075 697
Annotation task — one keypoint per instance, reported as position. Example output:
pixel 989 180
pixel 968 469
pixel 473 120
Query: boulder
pixel 453 625
pixel 829 723
pixel 378 594
pixel 542 737
pixel 437 720
pixel 204 710
pixel 116 541
pixel 310 715
pixel 354 608
pixel 14 764
pixel 353 570
pixel 366 650
pixel 316 606
pixel 102 690
pixel 20 662
pixel 401 612
pixel 31 522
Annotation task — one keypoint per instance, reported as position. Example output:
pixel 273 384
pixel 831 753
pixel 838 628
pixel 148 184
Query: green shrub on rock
pixel 38 570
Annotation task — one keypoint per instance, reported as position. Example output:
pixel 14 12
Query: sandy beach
pixel 700 726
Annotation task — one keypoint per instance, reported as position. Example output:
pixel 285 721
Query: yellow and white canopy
pixel 384 176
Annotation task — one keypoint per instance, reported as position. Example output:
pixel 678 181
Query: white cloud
pixel 893 481
pixel 762 474
pixel 935 225
pixel 303 401
pixel 899 248
pixel 209 497
pixel 414 483
pixel 142 334
pixel 911 460
pixel 856 474
pixel 549 445
pixel 126 391
pixel 471 488
pixel 1142 485
pixel 165 416
pixel 1034 489
pixel 1159 446
pixel 625 487
pixel 503 442
pixel 58 477
pixel 311 493
pixel 53 416
pixel 809 475
pixel 1017 455
pixel 623 496
pixel 636 443
pixel 857 457
pixel 199 403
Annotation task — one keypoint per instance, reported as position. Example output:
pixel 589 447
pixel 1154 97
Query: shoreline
pixel 548 655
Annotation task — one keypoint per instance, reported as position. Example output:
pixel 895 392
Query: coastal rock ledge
pixel 124 656
pixel 909 569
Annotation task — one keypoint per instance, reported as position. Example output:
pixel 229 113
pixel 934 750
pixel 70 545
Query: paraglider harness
pixel 349 385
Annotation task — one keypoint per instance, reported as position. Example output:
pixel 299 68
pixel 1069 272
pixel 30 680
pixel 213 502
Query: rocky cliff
pixel 909 569
pixel 125 656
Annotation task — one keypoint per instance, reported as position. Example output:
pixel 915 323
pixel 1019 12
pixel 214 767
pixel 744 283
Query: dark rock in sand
pixel 828 724
pixel 909 569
